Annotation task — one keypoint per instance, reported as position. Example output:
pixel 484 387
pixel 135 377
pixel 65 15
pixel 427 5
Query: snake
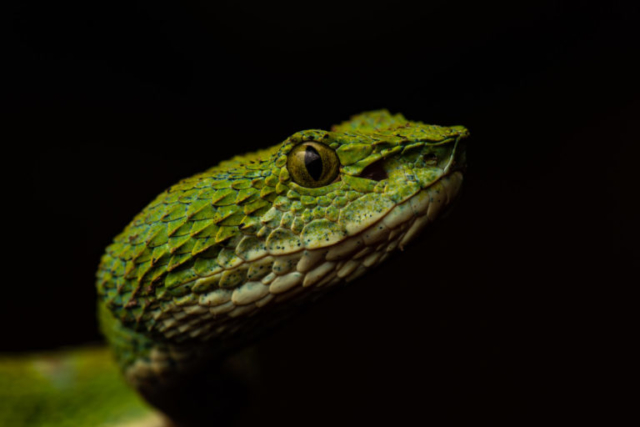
pixel 224 256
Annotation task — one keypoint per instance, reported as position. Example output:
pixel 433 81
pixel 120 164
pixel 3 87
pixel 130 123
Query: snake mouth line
pixel 413 214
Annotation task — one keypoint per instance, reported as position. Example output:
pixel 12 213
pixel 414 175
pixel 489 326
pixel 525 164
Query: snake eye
pixel 312 164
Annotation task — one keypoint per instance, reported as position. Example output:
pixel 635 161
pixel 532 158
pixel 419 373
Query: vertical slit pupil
pixel 313 162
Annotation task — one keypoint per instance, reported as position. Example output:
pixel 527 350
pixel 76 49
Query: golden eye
pixel 312 164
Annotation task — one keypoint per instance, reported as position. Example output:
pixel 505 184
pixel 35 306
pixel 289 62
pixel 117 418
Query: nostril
pixel 375 171
pixel 431 159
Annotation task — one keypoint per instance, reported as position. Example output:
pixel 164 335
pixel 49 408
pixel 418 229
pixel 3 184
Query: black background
pixel 498 312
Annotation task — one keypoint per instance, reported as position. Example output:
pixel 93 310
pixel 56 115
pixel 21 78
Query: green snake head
pixel 218 256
